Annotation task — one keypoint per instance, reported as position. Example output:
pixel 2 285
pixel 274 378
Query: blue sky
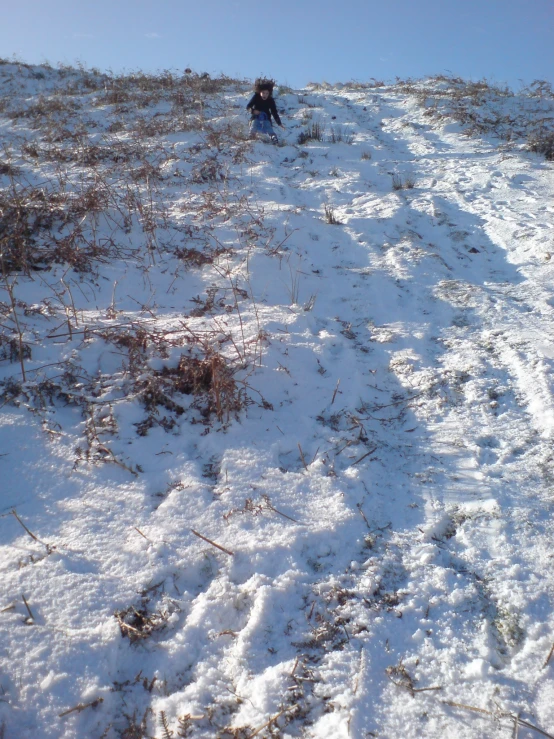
pixel 293 41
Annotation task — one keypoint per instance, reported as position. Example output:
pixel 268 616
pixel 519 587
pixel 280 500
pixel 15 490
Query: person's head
pixel 264 88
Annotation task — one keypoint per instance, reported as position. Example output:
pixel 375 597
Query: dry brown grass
pixel 81 193
pixel 486 109
pixel 542 142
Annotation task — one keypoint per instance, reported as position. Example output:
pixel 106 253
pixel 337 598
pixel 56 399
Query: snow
pixel 378 481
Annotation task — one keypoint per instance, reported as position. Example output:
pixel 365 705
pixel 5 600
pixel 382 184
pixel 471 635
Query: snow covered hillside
pixel 277 423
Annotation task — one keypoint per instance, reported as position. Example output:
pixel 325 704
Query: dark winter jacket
pixel 264 106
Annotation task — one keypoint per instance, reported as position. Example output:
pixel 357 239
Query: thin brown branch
pixel 547 660
pixel 107 327
pixel 143 535
pixel 272 508
pixel 302 457
pixel 528 725
pixel 13 512
pixel 520 721
pixel 362 514
pixel 127 627
pixel 217 546
pixel 364 456
pixel 398 402
pixel 468 708
pixel 27 607
pixel 271 720
pixel 81 707
pixel 9 288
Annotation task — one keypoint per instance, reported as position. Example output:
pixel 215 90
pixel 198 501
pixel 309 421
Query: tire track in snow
pixel 473 491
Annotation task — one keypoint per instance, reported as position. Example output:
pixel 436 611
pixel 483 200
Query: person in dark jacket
pixel 263 108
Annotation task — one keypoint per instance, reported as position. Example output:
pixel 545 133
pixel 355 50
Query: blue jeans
pixel 262 126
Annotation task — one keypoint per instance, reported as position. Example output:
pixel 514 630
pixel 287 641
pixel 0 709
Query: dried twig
pixel 9 289
pixel 31 617
pixel 468 708
pixel 302 457
pixel 217 546
pixel 517 719
pixel 272 719
pixel 192 717
pixel 336 391
pixel 398 402
pixel 81 707
pixel 127 627
pixel 112 458
pixel 362 514
pixel 527 725
pixel 272 508
pixel 143 535
pixel 547 660
pixel 26 529
pixel 94 329
pixel 364 456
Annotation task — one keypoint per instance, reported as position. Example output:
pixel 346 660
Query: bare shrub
pixel 314 132
pixel 198 258
pixel 209 170
pixel 115 96
pixel 45 107
pixel 371 84
pixel 483 108
pixel 47 225
pixel 27 213
pixel 135 727
pixel 202 373
pixel 31 150
pixel 10 349
pixel 340 134
pixel 209 379
pixel 116 127
pixel 167 81
pixel 540 89
pixel 542 143
pixel 158 126
pixel 8 169
pixel 402 184
pixel 330 216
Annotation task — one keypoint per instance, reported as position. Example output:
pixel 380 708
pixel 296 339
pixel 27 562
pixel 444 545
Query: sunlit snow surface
pixel 385 492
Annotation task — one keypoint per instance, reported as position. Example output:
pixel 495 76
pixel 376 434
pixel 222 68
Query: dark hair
pixel 262 83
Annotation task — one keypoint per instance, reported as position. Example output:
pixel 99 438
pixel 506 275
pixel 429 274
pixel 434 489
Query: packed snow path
pixel 384 516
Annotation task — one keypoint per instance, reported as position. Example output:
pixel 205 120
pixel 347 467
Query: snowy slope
pixel 359 414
